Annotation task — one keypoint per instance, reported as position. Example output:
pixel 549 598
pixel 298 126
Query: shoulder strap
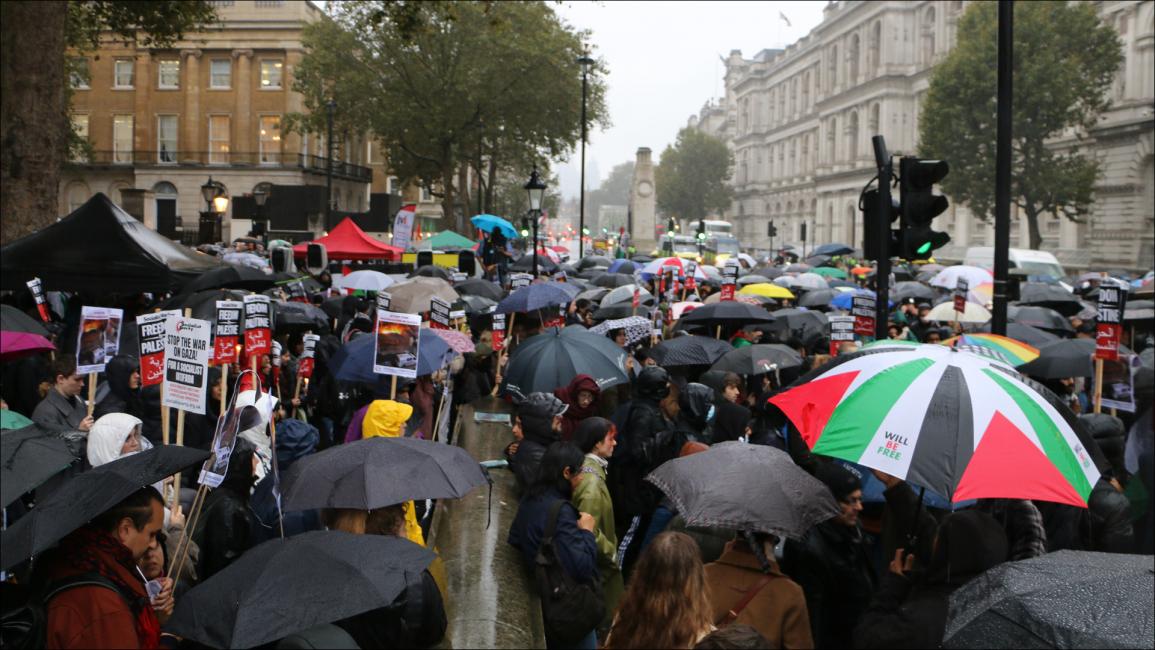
pixel 732 615
pixel 551 521
pixel 89 579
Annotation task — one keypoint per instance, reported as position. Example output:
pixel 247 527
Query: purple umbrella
pixel 14 345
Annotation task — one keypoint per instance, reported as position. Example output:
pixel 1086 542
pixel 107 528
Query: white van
pixel 1033 262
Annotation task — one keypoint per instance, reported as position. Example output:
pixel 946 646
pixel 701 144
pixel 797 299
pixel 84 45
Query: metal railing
pixel 226 160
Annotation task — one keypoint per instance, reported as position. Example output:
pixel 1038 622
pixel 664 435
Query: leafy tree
pixel 691 176
pixel 1065 62
pixel 436 82
pixel 35 128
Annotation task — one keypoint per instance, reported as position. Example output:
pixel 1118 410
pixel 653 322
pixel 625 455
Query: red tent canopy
pixel 348 242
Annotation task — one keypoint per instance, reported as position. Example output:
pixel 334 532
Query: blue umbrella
pixel 622 266
pixel 489 222
pixel 845 299
pixel 354 361
pixel 538 296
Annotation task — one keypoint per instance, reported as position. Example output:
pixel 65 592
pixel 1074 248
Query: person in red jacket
pixel 110 546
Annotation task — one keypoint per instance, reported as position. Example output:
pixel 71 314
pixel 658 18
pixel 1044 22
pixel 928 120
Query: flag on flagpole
pixel 784 19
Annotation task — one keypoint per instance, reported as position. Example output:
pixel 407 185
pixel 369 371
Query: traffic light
pixel 771 230
pixel 670 226
pixel 586 231
pixel 701 230
pixel 920 206
pixel 872 248
pixel 525 226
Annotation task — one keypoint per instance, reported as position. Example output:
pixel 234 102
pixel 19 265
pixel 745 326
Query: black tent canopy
pixel 100 247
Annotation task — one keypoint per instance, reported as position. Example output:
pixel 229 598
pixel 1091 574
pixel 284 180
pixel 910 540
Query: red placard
pixel 637 298
pixel 226 344
pixel 862 308
pixel 258 325
pixel 150 334
pixel 728 291
pixel 960 295
pixel 37 289
pixel 498 332
pixel 1112 300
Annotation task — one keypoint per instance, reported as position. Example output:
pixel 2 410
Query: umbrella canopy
pixel 525 263
pixel 203 304
pixel 689 350
pixel 249 260
pixel 366 280
pixel 477 304
pixel 916 290
pixel 448 240
pixel 768 290
pixel 479 287
pixel 594 295
pixel 14 345
pixel 489 223
pixel 798 267
pixel 354 361
pixel 1040 317
pixel 845 300
pixel 655 267
pixel 595 261
pixel 625 294
pixel 539 295
pixel 380 472
pixel 833 249
pixel 232 277
pixel 1013 351
pixel 612 280
pixel 819 299
pixel 637 328
pixel 962 425
pixel 1051 296
pixel 300 315
pixel 830 272
pixel 810 281
pixel 457 340
pixel 87 495
pixel 972 313
pixel 29 456
pixel 1032 336
pixel 12 420
pixel 802 324
pixel 948 277
pixel 817 260
pixel 752 278
pixel 728 312
pixel 431 271
pixel 413 296
pixel 553 358
pixel 1065 599
pixel 1065 358
pixel 1139 310
pixel 768 271
pixel 285 586
pixel 758 359
pixel 789 501
pixel 622 310
pixel 748 298
pixel 622 266
pixel 14 320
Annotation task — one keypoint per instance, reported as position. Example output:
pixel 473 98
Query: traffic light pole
pixel 882 270
pixel 1003 167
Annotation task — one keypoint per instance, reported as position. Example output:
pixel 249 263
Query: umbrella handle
pixel 912 537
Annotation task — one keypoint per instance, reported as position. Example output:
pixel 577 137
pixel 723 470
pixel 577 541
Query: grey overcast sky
pixel 663 65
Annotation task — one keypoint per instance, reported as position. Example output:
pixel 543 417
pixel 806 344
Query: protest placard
pixel 396 348
pixel 519 280
pixel 384 300
pixel 841 331
pixel 228 332
pixel 151 335
pixel 862 308
pixel 308 353
pixel 258 326
pixel 98 340
pixel 37 290
pixel 960 295
pixel 1119 383
pixel 498 332
pixel 1112 302
pixel 729 281
pixel 438 313
pixel 187 349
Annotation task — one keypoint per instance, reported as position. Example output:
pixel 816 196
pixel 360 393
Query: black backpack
pixel 570 609
pixel 24 621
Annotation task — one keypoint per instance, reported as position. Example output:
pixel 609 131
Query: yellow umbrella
pixel 768 290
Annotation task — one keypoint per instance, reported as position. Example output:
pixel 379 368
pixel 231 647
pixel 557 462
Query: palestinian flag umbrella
pixel 959 424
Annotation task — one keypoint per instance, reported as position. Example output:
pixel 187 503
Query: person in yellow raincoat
pixel 386 418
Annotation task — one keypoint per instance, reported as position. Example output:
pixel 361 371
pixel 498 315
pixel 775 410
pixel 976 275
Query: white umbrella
pixel 944 311
pixel 948 277
pixel 363 281
pixel 625 293
pixel 811 281
pixel 743 257
pixel 655 267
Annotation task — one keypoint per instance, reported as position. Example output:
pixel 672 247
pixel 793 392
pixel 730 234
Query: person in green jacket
pixel 596 437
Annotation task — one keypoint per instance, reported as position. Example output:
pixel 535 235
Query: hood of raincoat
pixel 385 418
pixel 295 440
pixel 537 412
pixel 569 395
pixel 653 383
pixel 696 402
pixel 107 436
pixel 730 421
pixel 119 371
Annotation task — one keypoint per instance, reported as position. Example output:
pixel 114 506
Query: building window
pixel 122 138
pixel 78 74
pixel 426 195
pixel 270 139
pixel 220 74
pixel 168 74
pixel 122 73
pixel 392 185
pixel 166 138
pixel 270 4
pixel 80 128
pixel 219 139
pixel 271 74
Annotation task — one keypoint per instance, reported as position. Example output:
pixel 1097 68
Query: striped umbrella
pixel 959 424
pixel 1014 352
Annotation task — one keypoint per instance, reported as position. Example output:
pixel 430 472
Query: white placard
pixel 188 345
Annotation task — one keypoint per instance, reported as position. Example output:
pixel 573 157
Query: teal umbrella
pixel 13 420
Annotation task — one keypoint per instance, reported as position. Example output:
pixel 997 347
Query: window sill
pixel 81 87
pixel 123 88
pixel 219 88
pixel 168 87
pixel 276 88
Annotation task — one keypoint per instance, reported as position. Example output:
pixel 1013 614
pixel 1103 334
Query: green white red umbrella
pixel 959 424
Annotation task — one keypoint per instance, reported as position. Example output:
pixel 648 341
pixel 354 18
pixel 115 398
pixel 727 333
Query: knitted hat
pixel 840 480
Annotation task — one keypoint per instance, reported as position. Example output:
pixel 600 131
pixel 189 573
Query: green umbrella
pixel 829 272
pixel 13 420
pixel 448 240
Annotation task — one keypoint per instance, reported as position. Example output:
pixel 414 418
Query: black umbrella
pixel 553 358
pixel 85 496
pixel 621 310
pixel 431 271
pixel 818 260
pixel 818 299
pixel 728 312
pixel 594 295
pixel 1032 336
pixel 1065 358
pixel 29 457
pixel 771 272
pixel 689 350
pixel 833 249
pixel 231 277
pixel 300 315
pixel 287 585
pixel 1052 296
pixel 798 268
pixel 916 290
pixel 203 303
pixel 479 287
pixel 525 263
pixel 14 320
pixel 1040 317
pixel 1065 599
pixel 763 491
pixel 475 304
pixel 594 261
pixel 752 278
pixel 1139 310
pixel 380 472
pixel 642 259
pixel 612 280
pixel 798 323
pixel 758 359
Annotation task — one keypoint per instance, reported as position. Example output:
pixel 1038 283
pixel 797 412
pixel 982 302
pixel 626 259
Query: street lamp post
pixel 260 196
pixel 536 190
pixel 331 106
pixel 585 62
pixel 217 202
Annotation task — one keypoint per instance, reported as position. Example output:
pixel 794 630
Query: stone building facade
pixel 800 119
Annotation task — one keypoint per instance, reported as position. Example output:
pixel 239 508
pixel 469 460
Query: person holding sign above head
pixel 62 409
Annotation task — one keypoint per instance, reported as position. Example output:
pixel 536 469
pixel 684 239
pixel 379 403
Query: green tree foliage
pixel 1065 62
pixel 691 176
pixel 437 81
pixel 614 190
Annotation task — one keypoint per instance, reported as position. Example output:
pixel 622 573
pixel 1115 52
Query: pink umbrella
pixel 14 345
pixel 456 341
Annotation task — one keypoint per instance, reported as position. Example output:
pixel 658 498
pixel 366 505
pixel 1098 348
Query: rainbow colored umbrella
pixel 1016 353
pixel 959 424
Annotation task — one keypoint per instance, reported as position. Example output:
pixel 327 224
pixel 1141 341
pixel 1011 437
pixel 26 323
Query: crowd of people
pixel 588 523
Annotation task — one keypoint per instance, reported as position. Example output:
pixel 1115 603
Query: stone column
pixel 191 141
pixel 247 136
pixel 143 125
pixel 643 203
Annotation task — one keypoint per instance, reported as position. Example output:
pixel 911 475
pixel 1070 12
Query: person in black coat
pixel 225 528
pixel 910 610
pixel 120 393
pixel 832 564
pixel 695 413
pixel 540 416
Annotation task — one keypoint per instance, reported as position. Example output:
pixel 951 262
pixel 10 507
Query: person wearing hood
pixel 224 530
pixel 540 418
pixel 910 611
pixel 731 422
pixel 120 393
pixel 695 414
pixel 581 398
pixel 386 419
pixel 832 564
pixel 596 437
pixel 295 440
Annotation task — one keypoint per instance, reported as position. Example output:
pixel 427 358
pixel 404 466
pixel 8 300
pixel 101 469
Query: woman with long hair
pixel 666 604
